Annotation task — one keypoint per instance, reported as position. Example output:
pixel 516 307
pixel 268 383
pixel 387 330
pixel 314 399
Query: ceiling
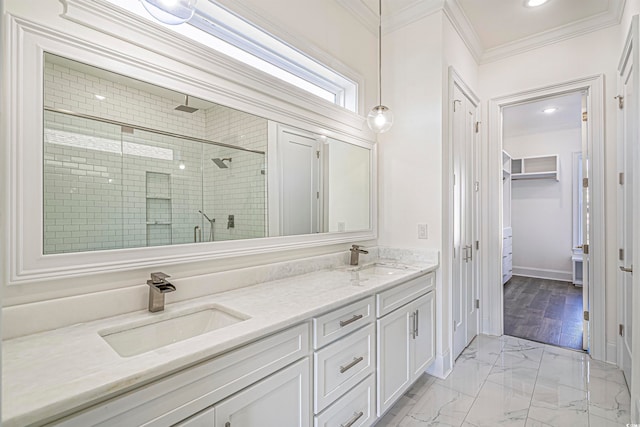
pixel 494 29
pixel 498 22
pixel 528 118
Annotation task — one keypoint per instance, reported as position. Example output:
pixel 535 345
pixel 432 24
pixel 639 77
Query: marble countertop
pixel 51 373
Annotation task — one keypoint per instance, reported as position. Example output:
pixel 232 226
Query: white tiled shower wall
pixel 95 175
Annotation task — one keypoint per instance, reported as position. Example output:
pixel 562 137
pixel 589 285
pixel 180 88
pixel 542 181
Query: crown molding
pixel 413 12
pixel 612 16
pixel 419 9
pixel 364 15
pixel 465 29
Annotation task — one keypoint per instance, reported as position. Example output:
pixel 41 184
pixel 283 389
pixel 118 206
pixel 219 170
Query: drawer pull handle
pixel 352 421
pixel 355 317
pixel 227 424
pixel 417 322
pixel 355 361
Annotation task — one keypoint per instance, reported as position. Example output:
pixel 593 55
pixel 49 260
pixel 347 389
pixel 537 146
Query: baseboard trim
pixel 539 273
pixel 441 366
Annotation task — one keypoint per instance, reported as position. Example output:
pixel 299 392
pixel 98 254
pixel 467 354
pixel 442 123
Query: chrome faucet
pixel 158 287
pixel 355 254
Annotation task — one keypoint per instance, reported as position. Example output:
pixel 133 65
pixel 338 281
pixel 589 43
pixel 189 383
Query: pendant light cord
pixel 379 52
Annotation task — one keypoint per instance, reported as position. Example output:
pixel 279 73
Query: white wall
pixel 414 154
pixel 542 209
pixel 587 55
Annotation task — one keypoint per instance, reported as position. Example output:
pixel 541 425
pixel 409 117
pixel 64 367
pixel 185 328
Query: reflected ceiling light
pixel 100 97
pixel 380 118
pixel 181 165
pixel 550 110
pixel 534 3
pixel 172 12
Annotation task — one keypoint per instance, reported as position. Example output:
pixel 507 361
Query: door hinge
pixel 585 249
pixel 318 154
pixel 621 254
pixel 477 303
pixel 454 179
pixel 586 316
pixel 621 178
pixel 620 99
pixel 585 182
pixel 478 127
pixel 477 245
pixel 621 330
pixel 584 116
pixel 454 326
pixel 476 186
pixel 317 195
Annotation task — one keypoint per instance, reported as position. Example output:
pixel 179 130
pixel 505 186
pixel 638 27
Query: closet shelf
pixel 536 175
pixel 537 167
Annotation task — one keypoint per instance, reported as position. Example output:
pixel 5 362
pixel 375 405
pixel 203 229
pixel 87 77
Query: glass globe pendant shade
pixel 380 119
pixel 172 12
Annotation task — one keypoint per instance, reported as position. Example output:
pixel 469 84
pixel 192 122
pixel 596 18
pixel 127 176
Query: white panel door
pixel 423 340
pixel 586 257
pixel 299 167
pixel 628 116
pixel 393 357
pixel 282 399
pixel 464 293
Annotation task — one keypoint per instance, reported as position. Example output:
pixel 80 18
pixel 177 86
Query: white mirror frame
pixel 24 131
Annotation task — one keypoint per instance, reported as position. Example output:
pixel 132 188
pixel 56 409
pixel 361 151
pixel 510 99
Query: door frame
pixel 491 243
pixel 447 248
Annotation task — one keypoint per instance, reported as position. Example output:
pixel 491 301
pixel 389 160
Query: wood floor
pixel 542 310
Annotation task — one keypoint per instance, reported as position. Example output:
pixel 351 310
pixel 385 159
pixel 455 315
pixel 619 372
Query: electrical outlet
pixel 422 231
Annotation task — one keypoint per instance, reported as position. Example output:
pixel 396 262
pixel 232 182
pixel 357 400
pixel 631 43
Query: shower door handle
pixel 197 233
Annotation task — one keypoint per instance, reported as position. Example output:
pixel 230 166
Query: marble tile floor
pixel 508 381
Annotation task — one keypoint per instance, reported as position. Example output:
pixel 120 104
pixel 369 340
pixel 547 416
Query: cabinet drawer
pixel 338 323
pixel 354 409
pixel 201 419
pixel 391 299
pixel 341 365
pixel 178 396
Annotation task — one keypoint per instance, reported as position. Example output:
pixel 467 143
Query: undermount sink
pixel 139 337
pixel 382 269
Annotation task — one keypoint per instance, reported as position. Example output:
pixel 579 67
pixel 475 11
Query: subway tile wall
pixel 105 188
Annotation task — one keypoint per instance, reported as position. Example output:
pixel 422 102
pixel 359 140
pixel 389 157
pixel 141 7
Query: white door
pixel 423 341
pixel 464 294
pixel 393 357
pixel 628 115
pixel 299 171
pixel 585 222
pixel 282 399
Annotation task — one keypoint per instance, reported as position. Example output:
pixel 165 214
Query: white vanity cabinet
pixel 271 374
pixel 344 366
pixel 405 336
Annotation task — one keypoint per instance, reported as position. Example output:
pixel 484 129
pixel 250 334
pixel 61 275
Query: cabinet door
pixel 422 342
pixel 393 358
pixel 283 399
pixel 201 419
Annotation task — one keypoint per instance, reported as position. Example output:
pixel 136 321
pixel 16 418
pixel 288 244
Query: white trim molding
pixel 541 273
pixel 492 292
pixel 209 76
pixel 419 9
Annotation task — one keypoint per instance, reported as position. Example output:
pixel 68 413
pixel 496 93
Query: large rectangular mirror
pixel 129 164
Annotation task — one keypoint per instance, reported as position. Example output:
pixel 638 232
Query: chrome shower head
pixel 185 107
pixel 221 162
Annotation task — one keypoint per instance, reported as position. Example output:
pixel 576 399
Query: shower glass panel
pixel 112 187
pixel 83 205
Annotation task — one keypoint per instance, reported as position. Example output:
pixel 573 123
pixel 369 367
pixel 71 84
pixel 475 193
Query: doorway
pixel 543 208
pixel 492 226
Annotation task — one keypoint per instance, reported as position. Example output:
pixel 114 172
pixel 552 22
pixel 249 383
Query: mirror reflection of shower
pixel 221 162
pixel 211 226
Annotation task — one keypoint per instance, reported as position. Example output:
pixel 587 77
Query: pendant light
pixel 380 118
pixel 172 12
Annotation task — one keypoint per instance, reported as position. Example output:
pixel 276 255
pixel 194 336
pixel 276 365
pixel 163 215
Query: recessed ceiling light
pixel 100 97
pixel 534 3
pixel 550 110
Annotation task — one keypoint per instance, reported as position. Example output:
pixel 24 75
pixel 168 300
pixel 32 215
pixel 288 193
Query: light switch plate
pixel 422 231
